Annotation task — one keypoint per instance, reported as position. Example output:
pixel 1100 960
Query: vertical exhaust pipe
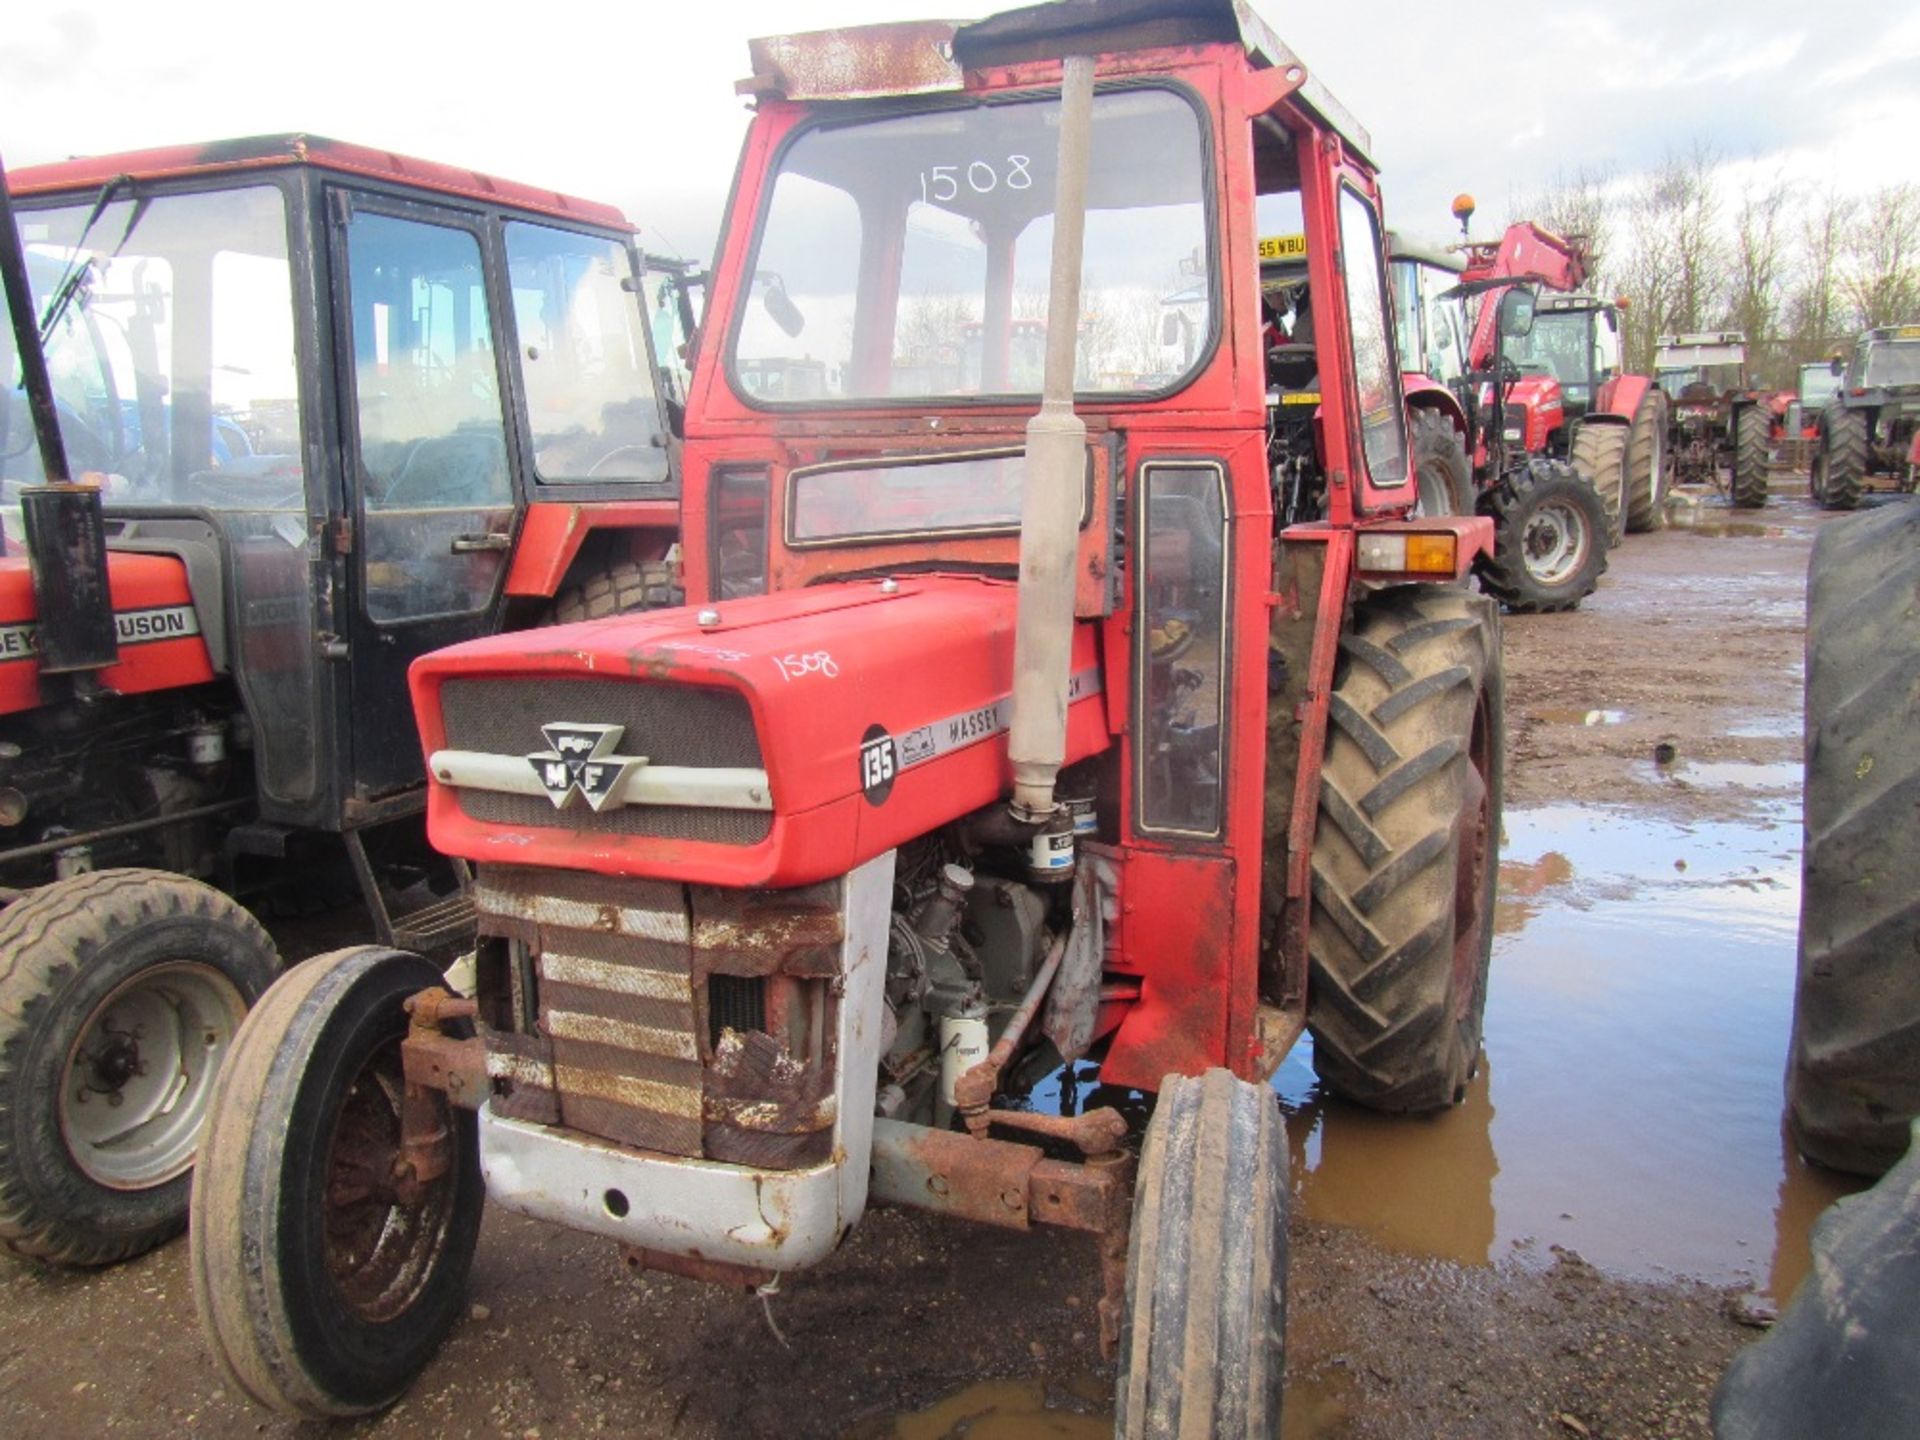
pixel 1056 476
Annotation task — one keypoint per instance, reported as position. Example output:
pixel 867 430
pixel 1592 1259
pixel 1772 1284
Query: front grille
pixel 735 1002
pixel 669 724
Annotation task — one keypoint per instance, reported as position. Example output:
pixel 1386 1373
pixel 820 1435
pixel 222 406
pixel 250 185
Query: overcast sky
pixel 633 102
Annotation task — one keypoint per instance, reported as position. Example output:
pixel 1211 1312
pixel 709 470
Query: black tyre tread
pixel 46 938
pixel 1749 489
pixel 1203 1334
pixel 236 1210
pixel 1441 449
pixel 1504 574
pixel 1599 454
pixel 1646 491
pixel 1853 1077
pixel 620 589
pixel 1842 458
pixel 1385 855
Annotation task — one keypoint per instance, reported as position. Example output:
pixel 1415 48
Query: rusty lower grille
pixel 669 724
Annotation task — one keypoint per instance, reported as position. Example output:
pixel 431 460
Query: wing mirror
pixel 779 305
pixel 1516 313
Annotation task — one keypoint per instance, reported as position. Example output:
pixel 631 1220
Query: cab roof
pixel 1424 252
pixel 259 152
pixel 930 57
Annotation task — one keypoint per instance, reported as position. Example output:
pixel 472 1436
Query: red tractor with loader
pixel 1134 726
pixel 329 409
pixel 1466 399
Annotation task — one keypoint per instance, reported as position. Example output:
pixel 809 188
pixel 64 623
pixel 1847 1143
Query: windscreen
pixel 1557 345
pixel 169 332
pixel 910 256
pixel 1893 362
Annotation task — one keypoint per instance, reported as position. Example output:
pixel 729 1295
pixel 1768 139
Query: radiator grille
pixel 669 724
pixel 735 1002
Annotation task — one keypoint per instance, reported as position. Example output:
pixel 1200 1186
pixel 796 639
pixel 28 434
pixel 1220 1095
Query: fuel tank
pixel 775 741
pixel 159 633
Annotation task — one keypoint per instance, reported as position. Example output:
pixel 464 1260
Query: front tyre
pixel 121 993
pixel 1840 461
pixel 1404 853
pixel 1442 472
pixel 1549 538
pixel 324 1283
pixel 1203 1337
pixel 1647 463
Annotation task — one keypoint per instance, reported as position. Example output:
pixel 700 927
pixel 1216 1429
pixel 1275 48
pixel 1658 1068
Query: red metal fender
pixel 552 533
pixel 161 647
pixel 920 668
pixel 1622 396
pixel 1426 393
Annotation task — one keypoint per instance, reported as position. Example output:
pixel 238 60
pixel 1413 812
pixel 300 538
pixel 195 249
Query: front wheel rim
pixel 134 1090
pixel 1554 542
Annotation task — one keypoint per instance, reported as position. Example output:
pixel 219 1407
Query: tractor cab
pixel 1575 341
pixel 340 408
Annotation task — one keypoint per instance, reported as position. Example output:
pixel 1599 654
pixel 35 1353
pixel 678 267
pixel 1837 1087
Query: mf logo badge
pixel 582 759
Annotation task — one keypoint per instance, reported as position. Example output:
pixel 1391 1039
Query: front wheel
pixel 121 992
pixel 1442 472
pixel 1549 538
pixel 1750 458
pixel 1840 459
pixel 326 1276
pixel 1647 463
pixel 1203 1337
pixel 1404 853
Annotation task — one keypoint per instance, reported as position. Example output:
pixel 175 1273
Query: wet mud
pixel 1566 1253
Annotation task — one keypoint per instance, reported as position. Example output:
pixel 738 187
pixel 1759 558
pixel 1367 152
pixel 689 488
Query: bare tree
pixel 1880 276
pixel 1580 207
pixel 1753 287
pixel 1814 322
pixel 1675 254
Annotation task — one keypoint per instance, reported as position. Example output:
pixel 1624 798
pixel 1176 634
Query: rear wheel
pixel 1440 465
pixel 1404 851
pixel 1549 538
pixel 1840 459
pixel 121 992
pixel 1647 463
pixel 1599 454
pixel 1203 1338
pixel 325 1279
pixel 1853 1076
pixel 618 590
pixel 1750 458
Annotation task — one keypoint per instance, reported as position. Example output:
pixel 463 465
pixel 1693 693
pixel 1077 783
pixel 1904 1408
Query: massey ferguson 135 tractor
pixel 337 408
pixel 1550 527
pixel 1717 421
pixel 1871 426
pixel 1149 729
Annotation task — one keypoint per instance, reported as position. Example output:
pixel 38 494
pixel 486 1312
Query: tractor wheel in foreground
pixel 1440 465
pixel 618 590
pixel 1853 1071
pixel 121 992
pixel 1404 850
pixel 1549 538
pixel 1599 454
pixel 1203 1337
pixel 1750 458
pixel 1840 459
pixel 325 1282
pixel 1647 463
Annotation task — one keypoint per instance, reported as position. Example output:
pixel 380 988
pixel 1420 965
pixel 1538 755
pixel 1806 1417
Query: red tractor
pixel 335 408
pixel 1147 730
pixel 1551 527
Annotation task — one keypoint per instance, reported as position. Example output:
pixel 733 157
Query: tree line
pixel 1799 270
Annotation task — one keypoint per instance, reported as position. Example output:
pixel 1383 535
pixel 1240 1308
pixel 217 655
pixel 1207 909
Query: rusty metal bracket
pixel 434 1060
pixel 1098 1132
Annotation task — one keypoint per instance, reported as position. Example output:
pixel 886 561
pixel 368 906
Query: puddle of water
pixel 1080 1409
pixel 1718 774
pixel 1580 717
pixel 1629 1105
pixel 1768 727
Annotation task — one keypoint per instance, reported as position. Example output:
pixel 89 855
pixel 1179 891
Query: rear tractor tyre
pixel 1853 1069
pixel 121 993
pixel 1203 1337
pixel 1404 854
pixel 621 589
pixel 1750 458
pixel 1440 465
pixel 323 1286
pixel 1549 538
pixel 1840 459
pixel 1599 453
pixel 1647 463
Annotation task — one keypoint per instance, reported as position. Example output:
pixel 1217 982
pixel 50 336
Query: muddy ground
pixel 1693 641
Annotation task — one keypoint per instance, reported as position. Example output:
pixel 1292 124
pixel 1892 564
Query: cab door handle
pixel 490 540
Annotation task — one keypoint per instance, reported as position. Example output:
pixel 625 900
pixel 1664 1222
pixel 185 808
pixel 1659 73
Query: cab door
pixel 430 467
